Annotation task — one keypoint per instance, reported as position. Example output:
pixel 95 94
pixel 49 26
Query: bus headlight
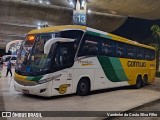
pixel 45 80
pixel 48 79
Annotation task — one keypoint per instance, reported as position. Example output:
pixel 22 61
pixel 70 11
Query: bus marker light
pixel 30 37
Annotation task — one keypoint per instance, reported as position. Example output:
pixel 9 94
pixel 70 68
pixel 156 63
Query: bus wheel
pixel 138 82
pixel 145 80
pixel 83 87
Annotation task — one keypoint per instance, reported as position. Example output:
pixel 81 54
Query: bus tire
pixel 83 87
pixel 139 82
pixel 145 80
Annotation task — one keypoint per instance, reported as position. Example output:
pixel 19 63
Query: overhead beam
pixel 145 9
pixel 56 15
pixel 14 29
pixel 17 18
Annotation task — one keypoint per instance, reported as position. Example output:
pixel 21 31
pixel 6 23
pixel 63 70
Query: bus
pixel 67 59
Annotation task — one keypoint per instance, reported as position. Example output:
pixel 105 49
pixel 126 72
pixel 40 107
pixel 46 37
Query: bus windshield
pixel 31 59
pixel 40 61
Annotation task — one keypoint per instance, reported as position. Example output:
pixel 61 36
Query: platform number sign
pixel 79 19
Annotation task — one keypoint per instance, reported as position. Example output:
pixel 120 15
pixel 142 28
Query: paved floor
pixel 121 99
pixel 151 107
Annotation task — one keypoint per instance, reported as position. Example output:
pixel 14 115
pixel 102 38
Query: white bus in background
pixel 6 58
pixel 13 46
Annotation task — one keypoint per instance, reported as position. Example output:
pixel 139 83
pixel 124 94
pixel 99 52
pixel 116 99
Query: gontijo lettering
pixel 136 64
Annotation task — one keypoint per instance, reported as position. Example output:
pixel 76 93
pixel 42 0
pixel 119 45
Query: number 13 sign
pixel 79 18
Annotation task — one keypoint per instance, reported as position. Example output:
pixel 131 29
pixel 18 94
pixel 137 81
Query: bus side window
pixel 152 54
pixel 64 55
pixel 140 53
pixel 120 50
pixel 106 48
pixel 130 51
pixel 89 46
pixel 73 34
pixel 147 54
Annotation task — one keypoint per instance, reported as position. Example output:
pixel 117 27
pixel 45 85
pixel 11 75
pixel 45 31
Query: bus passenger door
pixel 63 61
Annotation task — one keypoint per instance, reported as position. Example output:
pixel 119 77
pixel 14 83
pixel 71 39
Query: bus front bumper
pixel 40 89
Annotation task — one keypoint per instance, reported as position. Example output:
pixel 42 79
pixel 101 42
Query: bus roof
pixel 91 30
pixel 57 28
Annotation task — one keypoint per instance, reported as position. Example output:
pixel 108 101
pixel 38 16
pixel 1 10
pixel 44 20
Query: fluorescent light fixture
pixel 47 2
pixel 38 24
pixel 83 3
pixel 71 3
pixel 40 1
pixel 89 11
pixel 39 27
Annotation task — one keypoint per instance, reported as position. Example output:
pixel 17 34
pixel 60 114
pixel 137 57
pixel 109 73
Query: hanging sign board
pixel 79 14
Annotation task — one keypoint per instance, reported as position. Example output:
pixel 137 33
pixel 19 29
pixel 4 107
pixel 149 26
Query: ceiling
pixel 17 17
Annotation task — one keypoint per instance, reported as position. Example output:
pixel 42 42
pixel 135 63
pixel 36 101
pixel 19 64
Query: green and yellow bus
pixel 69 59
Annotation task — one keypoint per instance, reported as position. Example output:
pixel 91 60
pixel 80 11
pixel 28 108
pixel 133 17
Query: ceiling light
pixel 40 1
pixel 39 27
pixel 38 23
pixel 89 11
pixel 71 3
pixel 47 2
pixel 83 3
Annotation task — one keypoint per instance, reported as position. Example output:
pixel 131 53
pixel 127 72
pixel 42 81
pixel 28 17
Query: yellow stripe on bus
pixel 57 28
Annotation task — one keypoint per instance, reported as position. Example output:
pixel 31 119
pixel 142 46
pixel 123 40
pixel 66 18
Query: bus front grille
pixel 26 83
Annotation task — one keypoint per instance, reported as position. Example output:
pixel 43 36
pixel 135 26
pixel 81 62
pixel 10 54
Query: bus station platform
pixel 119 99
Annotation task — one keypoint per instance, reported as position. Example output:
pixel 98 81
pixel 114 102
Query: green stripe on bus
pixel 37 78
pixel 105 36
pixel 118 69
pixel 34 78
pixel 108 69
pixel 108 65
pixel 98 34
pixel 29 78
pixel 93 33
